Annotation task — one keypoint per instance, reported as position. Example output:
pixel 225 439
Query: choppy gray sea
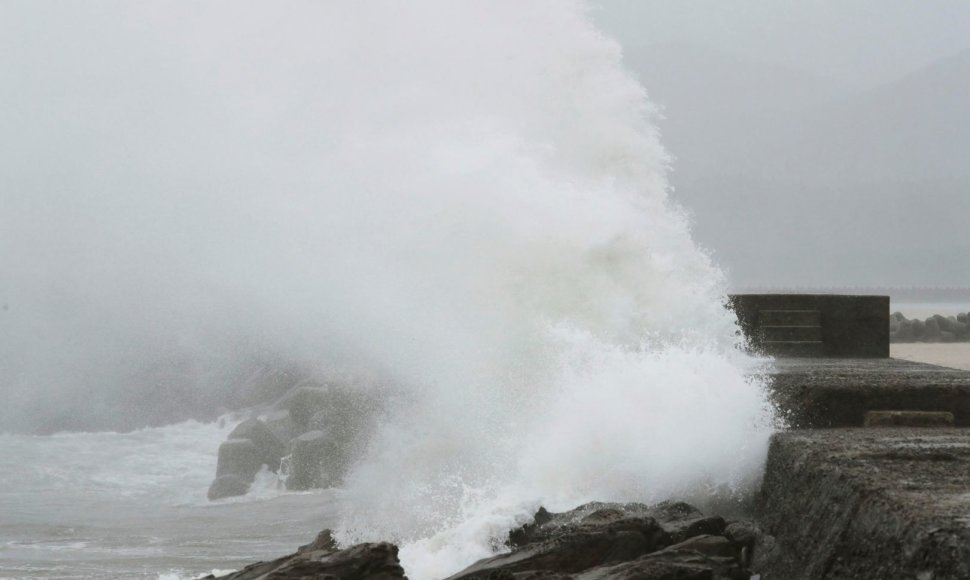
pixel 133 505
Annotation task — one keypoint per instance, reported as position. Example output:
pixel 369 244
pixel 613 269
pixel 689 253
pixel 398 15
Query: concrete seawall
pixel 867 504
pixel 838 392
pixel 840 501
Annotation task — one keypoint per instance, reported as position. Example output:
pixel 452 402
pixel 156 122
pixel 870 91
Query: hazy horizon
pixel 815 144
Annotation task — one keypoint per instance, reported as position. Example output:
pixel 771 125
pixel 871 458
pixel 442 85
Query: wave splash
pixel 569 341
pixel 470 198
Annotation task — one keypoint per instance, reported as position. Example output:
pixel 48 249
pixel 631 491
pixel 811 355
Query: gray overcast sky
pixel 816 143
pixel 857 41
pixel 820 143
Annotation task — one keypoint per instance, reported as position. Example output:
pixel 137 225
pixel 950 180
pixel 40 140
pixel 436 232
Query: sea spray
pixel 469 199
pixel 594 358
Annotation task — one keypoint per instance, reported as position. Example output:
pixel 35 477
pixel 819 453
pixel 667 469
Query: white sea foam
pixel 169 465
pixel 468 197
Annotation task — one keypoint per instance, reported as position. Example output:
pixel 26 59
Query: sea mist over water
pixel 469 199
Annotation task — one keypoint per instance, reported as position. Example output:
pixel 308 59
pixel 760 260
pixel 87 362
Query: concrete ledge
pixel 908 419
pixel 839 392
pixel 866 504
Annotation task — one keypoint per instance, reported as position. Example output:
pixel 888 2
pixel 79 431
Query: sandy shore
pixel 955 355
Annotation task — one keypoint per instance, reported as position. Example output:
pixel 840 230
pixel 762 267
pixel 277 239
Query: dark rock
pixel 573 551
pixel 268 445
pixel 303 402
pixel 227 486
pixel 748 538
pixel 681 530
pixel 546 525
pixel 709 545
pixel 670 564
pixel 721 568
pixel 673 511
pixel 324 541
pixel 904 332
pixel 956 326
pixel 314 462
pixel 528 532
pixel 944 322
pixel 239 457
pixel 919 329
pixel 932 332
pixel 742 533
pixel 282 425
pixel 590 536
pixel 650 569
pixel 964 318
pixel 322 560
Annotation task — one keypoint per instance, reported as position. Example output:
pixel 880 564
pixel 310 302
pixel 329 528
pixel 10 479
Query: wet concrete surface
pixel 842 501
pixel 866 503
pixel 826 392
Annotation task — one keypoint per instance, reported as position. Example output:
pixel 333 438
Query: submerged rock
pixel 313 462
pixel 228 486
pixel 239 457
pixel 269 448
pixel 304 401
pixel 282 425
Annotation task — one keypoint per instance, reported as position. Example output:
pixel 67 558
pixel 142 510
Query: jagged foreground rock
pixel 597 541
pixel 601 541
pixel 321 559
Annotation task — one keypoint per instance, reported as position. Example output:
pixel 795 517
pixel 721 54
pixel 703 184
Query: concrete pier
pixel 815 325
pixel 874 503
pixel 843 501
pixel 823 392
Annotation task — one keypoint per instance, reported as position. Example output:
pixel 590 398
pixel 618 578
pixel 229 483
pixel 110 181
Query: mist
pixel 815 144
pixel 463 204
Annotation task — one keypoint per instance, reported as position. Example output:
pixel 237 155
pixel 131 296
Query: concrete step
pixel 866 504
pixel 794 348
pixel 789 318
pixel 827 392
pixel 791 333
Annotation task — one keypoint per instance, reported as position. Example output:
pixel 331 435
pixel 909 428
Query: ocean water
pixel 133 505
pixel 467 200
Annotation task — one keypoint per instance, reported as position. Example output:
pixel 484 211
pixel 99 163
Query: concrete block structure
pixel 815 325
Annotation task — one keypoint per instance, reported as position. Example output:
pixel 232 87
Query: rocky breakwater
pixel 307 437
pixel 936 328
pixel 596 541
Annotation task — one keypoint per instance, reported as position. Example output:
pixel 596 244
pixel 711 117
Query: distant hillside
pixel 794 180
pixel 717 104
pixel 915 128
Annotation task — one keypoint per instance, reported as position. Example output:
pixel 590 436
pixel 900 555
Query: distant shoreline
pixel 899 294
pixel 934 328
